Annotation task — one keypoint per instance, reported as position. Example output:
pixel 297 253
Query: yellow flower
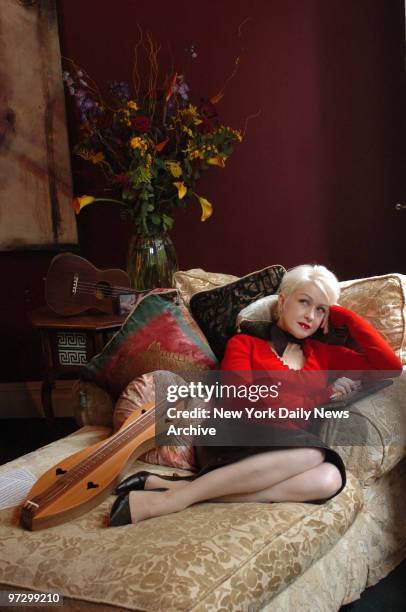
pixel 174 168
pixel 238 135
pixel 217 160
pixel 190 115
pixel 138 143
pixel 182 189
pixel 133 105
pixel 96 158
pixel 207 209
pixel 79 203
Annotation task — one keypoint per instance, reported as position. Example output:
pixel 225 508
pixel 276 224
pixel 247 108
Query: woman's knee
pixel 330 480
pixel 312 457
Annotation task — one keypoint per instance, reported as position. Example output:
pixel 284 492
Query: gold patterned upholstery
pixel 381 300
pixel 213 556
pixel 191 281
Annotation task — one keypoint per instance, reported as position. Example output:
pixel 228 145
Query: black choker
pixel 280 339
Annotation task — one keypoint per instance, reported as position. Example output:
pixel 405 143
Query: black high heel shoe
pixel 136 482
pixel 120 511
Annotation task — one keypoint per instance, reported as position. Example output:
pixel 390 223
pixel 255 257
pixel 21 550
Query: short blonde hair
pixel 325 280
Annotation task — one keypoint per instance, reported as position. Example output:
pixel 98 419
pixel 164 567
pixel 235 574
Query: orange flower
pixel 217 160
pixel 182 189
pixel 207 209
pixel 79 203
pixel 84 200
pixel 161 145
pixel 171 87
pixel 97 158
pixel 216 99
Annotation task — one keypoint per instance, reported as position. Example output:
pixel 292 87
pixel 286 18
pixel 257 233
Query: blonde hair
pixel 325 280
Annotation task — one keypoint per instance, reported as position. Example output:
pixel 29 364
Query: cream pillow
pixel 192 281
pixel 381 301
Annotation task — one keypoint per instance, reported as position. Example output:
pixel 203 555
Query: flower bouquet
pixel 151 143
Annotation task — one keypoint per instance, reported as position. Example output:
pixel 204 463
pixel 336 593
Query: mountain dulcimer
pixel 80 482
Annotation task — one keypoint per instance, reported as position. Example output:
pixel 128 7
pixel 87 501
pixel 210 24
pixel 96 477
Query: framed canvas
pixel 35 174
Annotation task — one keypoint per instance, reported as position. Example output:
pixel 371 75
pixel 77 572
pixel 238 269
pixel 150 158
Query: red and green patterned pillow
pixel 159 334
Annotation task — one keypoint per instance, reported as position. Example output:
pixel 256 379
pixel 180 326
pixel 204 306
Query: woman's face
pixel 303 311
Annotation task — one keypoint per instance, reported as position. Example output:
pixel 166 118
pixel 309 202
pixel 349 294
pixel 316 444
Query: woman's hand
pixel 344 386
pixel 324 325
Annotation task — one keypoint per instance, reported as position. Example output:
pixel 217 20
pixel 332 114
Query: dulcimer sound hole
pixel 92 485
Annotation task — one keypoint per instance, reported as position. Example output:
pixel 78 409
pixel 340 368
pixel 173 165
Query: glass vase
pixel 151 261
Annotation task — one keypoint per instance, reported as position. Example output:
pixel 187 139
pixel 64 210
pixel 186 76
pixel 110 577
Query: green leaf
pixel 156 219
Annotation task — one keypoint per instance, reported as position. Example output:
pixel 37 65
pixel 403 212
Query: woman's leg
pixel 250 475
pixel 321 482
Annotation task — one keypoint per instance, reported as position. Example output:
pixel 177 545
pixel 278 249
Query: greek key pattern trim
pixel 71 348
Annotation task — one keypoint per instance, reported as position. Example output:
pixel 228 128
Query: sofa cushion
pixel 380 420
pixel 215 310
pixel 212 555
pixel 381 300
pixel 191 281
pixel 159 334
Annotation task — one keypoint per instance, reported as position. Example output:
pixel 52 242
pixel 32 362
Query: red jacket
pixel 308 387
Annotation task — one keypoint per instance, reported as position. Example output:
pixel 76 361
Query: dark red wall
pixel 321 165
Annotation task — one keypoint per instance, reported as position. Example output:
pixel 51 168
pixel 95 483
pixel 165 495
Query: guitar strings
pixel 109 292
pixel 100 283
pixel 91 285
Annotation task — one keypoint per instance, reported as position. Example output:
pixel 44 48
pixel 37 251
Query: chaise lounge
pixel 215 556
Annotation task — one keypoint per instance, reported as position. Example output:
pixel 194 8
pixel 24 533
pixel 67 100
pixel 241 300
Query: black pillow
pixel 216 310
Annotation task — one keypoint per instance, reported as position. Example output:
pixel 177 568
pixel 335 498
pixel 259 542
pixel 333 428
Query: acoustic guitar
pixel 80 482
pixel 74 285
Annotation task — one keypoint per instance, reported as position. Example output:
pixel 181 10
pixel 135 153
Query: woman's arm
pixel 237 356
pixel 376 354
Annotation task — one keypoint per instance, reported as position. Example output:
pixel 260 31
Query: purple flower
pixel 120 90
pixel 181 88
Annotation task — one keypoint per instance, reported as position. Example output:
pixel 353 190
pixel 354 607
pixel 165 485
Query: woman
pixel 297 466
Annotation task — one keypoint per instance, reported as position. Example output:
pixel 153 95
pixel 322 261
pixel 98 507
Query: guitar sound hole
pixel 103 290
pixel 60 471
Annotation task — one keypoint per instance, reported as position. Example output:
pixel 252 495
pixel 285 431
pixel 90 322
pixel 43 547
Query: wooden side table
pixel 67 344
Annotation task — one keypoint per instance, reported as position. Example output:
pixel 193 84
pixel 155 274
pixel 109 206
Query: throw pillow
pixel 191 281
pixel 159 334
pixel 380 300
pixel 216 310
pixel 142 390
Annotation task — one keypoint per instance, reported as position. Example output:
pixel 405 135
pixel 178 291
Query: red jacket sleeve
pixel 376 354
